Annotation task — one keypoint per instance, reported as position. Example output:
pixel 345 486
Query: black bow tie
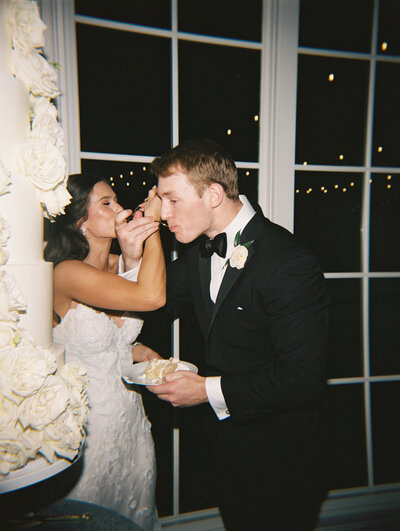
pixel 217 245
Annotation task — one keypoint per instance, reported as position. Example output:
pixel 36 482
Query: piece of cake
pixel 157 369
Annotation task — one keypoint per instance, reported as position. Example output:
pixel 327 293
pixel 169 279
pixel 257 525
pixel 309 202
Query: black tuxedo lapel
pixel 252 231
pixel 205 273
pixel 205 279
pixel 231 276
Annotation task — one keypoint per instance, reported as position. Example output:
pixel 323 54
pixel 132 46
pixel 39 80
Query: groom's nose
pixel 165 211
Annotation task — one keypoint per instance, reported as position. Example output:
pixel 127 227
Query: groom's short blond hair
pixel 204 162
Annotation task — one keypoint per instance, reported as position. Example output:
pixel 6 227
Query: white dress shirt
pixel 218 268
pixel 131 274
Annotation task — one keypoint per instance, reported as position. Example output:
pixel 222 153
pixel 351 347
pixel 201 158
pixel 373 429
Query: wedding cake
pixel 20 205
pixel 43 402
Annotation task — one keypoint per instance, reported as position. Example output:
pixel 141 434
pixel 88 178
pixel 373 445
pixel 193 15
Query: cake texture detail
pixel 158 369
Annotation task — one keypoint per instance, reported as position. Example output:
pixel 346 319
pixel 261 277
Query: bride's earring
pixel 83 230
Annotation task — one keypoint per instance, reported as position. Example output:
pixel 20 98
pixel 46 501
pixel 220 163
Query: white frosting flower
pixel 23 370
pixel 42 106
pixel 38 75
pixel 11 299
pixel 7 334
pixel 4 231
pixel 25 24
pixel 45 124
pixel 42 162
pixel 55 200
pixel 4 236
pixel 63 437
pixel 8 317
pixel 77 379
pixel 75 375
pixel 8 413
pixel 47 127
pixel 4 179
pixel 238 257
pixel 15 450
pixel 3 256
pixel 44 406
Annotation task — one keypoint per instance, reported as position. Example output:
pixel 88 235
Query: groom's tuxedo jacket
pixel 266 336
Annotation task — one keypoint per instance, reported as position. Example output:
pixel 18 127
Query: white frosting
pixel 14 124
pixel 58 352
pixel 21 206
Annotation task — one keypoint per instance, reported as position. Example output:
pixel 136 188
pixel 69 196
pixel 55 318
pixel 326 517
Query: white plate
pixel 135 375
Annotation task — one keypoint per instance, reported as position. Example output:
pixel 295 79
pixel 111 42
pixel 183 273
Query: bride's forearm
pixel 152 275
pixel 142 353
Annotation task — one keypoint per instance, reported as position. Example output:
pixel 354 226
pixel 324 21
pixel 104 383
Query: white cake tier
pixel 14 104
pixel 35 283
pixel 21 208
pixel 5 44
pixel 14 118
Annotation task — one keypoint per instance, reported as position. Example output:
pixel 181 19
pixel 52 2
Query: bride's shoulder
pixel 68 267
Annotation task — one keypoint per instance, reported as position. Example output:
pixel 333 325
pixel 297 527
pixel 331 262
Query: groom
pixel 261 302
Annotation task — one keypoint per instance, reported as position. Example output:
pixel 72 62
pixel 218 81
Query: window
pixel 346 209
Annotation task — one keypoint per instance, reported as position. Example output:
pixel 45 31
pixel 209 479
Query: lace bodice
pixel 104 342
pixel 119 463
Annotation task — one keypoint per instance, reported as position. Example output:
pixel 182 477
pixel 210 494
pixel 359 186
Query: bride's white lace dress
pixel 119 463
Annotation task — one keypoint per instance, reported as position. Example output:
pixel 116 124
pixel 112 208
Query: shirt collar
pixel 238 223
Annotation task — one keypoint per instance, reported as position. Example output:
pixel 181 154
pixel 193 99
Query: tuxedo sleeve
pixel 295 304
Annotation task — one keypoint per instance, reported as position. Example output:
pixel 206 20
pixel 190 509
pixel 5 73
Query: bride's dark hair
pixel 66 241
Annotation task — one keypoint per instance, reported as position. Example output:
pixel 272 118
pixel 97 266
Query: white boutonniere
pixel 240 253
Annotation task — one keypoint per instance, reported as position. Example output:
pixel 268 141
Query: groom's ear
pixel 216 194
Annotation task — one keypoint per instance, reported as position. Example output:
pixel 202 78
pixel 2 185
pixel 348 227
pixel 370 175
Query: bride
pixel 91 297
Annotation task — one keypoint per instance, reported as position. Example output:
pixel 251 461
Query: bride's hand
pixel 132 235
pixel 142 353
pixel 152 206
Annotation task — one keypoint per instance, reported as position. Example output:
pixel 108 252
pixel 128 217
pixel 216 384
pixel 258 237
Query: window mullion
pixel 278 110
pixel 366 245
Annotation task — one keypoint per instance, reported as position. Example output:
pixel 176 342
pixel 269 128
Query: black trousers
pixel 263 486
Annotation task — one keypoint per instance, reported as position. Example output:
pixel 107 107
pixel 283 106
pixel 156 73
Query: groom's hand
pixel 182 389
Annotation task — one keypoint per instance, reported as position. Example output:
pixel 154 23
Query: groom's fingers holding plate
pixel 162 391
pixel 158 389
